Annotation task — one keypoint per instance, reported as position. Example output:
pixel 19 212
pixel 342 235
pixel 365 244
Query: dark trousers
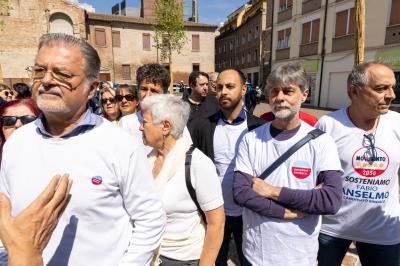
pixel 332 251
pixel 233 225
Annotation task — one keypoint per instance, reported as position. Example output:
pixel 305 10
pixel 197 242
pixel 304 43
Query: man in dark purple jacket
pixel 282 214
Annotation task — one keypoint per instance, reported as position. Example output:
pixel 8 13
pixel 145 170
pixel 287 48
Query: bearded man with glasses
pixel 112 188
pixel 367 135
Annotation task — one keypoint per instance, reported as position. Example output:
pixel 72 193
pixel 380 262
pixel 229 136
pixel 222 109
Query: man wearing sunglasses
pixel 368 140
pixel 112 187
pixel 152 79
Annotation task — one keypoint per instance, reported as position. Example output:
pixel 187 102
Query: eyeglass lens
pixel 110 100
pixel 12 120
pixel 128 97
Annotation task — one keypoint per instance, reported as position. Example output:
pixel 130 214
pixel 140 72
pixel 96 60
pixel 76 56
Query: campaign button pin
pixel 301 169
pixel 96 180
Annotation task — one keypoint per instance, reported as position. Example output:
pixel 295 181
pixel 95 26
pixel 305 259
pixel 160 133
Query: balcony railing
pixel 392 34
pixel 310 5
pixel 343 43
pixel 282 53
pixel 309 49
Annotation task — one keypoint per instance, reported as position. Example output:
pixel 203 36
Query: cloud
pixel 85 6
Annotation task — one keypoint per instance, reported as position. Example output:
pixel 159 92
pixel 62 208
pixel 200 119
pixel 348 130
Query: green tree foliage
pixel 169 29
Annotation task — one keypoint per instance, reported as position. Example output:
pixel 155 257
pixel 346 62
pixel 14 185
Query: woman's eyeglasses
pixel 12 120
pixel 369 144
pixel 108 100
pixel 8 93
pixel 128 97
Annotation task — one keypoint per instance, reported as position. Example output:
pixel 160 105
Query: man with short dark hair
pixel 202 105
pixel 218 137
pixel 112 189
pixel 282 213
pixel 152 79
pixel 368 140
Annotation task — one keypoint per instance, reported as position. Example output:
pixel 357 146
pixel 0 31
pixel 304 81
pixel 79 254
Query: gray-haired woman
pixel 187 239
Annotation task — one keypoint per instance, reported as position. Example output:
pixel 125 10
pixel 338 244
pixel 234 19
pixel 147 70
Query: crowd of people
pixel 157 179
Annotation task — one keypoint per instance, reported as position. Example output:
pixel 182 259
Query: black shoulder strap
pixel 192 192
pixel 311 135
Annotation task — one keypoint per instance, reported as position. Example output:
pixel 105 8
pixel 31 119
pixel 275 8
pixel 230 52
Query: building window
pixel 285 4
pixel 126 72
pixel 146 41
pixel 310 32
pixel 256 56
pixel 195 42
pixel 237 61
pixel 284 38
pixel 243 39
pixel 249 36
pixel 231 45
pixel 100 36
pixel 196 67
pixel 116 38
pixel 237 41
pixel 224 47
pixel 243 59
pixel 256 32
pixel 345 22
pixel 248 57
pixel 395 14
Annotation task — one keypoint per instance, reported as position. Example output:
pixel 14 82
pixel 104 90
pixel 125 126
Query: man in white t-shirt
pixel 367 135
pixel 282 214
pixel 112 187
pixel 152 79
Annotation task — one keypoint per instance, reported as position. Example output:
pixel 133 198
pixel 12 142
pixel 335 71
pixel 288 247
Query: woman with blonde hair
pixel 189 239
pixel 109 106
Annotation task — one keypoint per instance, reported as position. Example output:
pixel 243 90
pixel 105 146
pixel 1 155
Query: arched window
pixel 60 22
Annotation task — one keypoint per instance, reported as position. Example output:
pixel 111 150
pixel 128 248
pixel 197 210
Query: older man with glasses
pixel 367 135
pixel 112 187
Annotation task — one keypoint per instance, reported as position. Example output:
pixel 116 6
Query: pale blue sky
pixel 210 11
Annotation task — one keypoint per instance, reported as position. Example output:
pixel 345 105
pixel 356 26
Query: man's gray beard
pixel 287 114
pixel 51 105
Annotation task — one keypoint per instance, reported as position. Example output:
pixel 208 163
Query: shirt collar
pixel 238 120
pixel 88 121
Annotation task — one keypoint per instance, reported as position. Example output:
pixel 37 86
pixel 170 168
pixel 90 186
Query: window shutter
pixel 196 42
pixel 100 36
pixel 305 37
pixel 315 31
pixel 116 38
pixel 146 41
pixel 352 21
pixel 395 13
pixel 341 23
pixel 126 72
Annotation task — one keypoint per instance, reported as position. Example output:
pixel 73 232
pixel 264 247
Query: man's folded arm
pixel 245 196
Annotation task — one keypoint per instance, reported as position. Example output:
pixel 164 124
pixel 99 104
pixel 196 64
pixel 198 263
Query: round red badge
pixel 301 169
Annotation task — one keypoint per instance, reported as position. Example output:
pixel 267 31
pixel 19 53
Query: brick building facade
pixel 242 41
pixel 123 43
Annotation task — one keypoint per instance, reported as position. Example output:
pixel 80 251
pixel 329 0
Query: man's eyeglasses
pixel 369 143
pixel 11 120
pixel 38 73
pixel 108 100
pixel 128 97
